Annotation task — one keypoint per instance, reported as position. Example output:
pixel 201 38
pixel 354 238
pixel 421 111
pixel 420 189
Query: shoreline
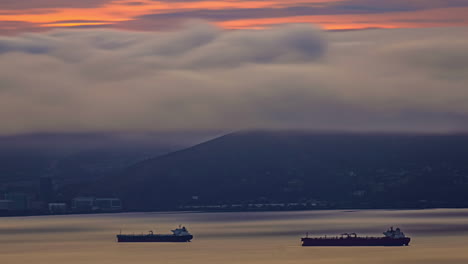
pixel 234 211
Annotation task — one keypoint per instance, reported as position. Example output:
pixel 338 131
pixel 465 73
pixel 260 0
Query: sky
pixel 150 15
pixel 159 66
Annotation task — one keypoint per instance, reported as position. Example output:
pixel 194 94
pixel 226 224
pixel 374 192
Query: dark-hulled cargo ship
pixel 180 234
pixel 392 237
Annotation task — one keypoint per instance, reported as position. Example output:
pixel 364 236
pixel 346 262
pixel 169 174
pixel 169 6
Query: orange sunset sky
pixel 149 15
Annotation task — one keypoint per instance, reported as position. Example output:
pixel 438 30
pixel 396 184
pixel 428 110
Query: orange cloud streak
pixel 121 10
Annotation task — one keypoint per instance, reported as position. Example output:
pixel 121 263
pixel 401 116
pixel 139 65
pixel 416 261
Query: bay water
pixel 438 236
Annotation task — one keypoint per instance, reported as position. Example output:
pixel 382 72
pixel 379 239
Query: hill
pixel 80 157
pixel 345 170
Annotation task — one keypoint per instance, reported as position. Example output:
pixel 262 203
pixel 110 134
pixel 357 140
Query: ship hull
pixel 153 238
pixel 355 242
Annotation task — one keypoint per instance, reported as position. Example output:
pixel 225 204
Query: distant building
pixel 19 201
pixel 57 208
pixel 83 204
pixel 6 205
pixel 359 193
pixel 108 204
pixel 37 205
pixel 88 204
pixel 46 189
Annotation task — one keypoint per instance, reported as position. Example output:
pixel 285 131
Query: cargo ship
pixel 180 234
pixel 392 237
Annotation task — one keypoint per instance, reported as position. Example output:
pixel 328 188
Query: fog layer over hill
pixel 81 157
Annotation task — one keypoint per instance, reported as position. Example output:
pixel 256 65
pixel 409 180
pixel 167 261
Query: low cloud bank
pixel 206 78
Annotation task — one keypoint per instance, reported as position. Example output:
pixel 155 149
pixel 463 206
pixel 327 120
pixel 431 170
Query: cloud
pixel 32 4
pixel 252 13
pixel 205 78
pixel 41 15
pixel 312 9
pixel 398 5
pixel 13 27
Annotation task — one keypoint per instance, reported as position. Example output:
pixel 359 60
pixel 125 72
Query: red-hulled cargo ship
pixel 391 238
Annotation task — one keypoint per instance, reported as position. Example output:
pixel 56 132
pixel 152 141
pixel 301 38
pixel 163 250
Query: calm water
pixel 438 236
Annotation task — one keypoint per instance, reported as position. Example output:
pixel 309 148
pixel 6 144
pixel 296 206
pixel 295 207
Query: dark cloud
pixel 151 24
pixel 40 46
pixel 251 13
pixel 173 18
pixel 428 21
pixel 398 5
pixel 135 3
pixel 205 78
pixel 33 4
